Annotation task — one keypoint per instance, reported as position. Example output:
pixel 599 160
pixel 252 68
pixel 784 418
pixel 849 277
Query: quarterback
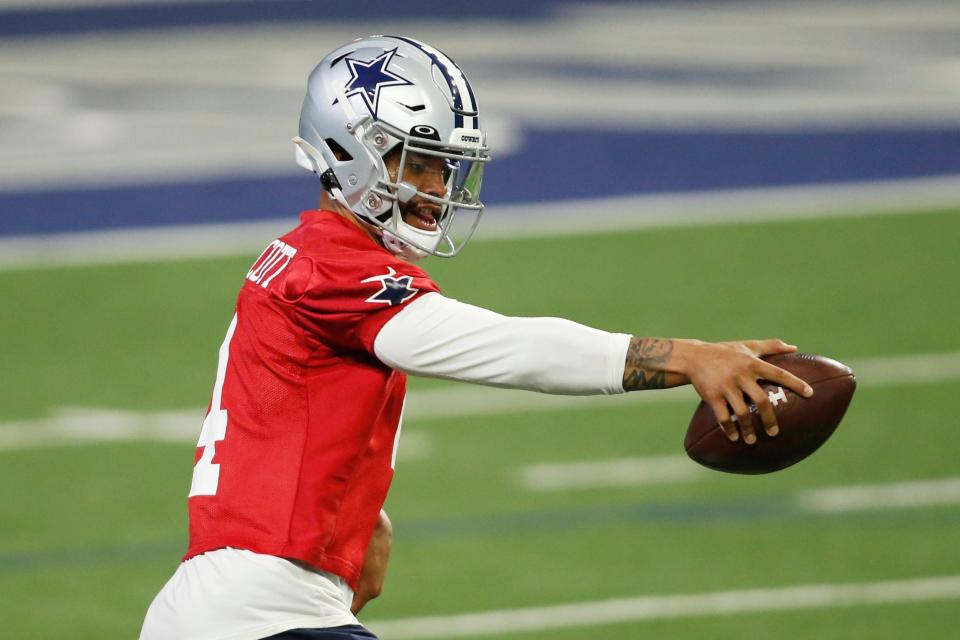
pixel 297 451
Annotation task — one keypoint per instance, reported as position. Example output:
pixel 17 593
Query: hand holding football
pixel 805 423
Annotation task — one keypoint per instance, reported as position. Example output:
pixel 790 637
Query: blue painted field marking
pixel 608 164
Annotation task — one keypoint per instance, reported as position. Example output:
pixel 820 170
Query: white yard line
pixel 77 426
pixel 917 368
pixel 944 491
pixel 622 610
pixel 713 208
pixel 71 426
pixel 672 469
pixel 639 471
pixel 177 242
pixel 616 472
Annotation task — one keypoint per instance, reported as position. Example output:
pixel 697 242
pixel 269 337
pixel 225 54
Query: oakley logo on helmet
pixel 368 78
pixel 425 131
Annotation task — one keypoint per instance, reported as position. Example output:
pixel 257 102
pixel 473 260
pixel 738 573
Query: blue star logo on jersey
pixel 393 289
pixel 368 78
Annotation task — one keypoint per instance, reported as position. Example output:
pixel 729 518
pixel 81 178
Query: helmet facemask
pixel 457 210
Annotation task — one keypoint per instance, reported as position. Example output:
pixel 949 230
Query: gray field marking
pixel 620 610
pixel 565 218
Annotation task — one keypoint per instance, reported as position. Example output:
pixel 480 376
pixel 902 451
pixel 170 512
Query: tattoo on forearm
pixel 644 365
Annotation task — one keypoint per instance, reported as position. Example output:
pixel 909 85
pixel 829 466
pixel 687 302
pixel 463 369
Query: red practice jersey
pixel 298 447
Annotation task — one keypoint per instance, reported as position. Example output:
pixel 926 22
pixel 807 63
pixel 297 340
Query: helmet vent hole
pixel 338 152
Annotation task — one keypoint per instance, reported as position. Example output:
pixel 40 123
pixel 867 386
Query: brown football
pixel 805 423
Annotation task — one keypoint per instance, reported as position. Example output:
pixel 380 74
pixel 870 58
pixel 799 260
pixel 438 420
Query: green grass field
pixel 90 532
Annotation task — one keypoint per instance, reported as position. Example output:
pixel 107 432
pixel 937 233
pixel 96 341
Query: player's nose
pixel 433 184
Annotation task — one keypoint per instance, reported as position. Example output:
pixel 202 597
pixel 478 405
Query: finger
pixel 744 417
pixel 769 347
pixel 722 413
pixel 764 407
pixel 784 378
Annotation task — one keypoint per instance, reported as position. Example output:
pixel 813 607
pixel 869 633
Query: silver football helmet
pixel 387 94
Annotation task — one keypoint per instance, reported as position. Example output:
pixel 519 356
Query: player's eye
pixel 449 167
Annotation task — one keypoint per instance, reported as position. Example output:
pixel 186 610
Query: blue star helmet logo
pixel 393 290
pixel 368 78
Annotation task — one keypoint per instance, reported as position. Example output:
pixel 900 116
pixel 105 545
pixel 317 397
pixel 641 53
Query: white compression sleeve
pixel 440 337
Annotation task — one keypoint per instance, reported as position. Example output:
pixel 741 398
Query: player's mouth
pixel 423 216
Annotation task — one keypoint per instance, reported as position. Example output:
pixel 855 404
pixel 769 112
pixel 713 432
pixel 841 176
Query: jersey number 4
pixel 206 474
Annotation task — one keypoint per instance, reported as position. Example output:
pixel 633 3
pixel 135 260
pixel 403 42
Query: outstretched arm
pixel 439 337
pixel 442 338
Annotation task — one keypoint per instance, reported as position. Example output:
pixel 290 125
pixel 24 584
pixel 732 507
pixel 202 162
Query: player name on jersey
pixel 271 263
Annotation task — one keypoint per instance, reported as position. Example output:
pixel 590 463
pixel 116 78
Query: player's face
pixel 428 174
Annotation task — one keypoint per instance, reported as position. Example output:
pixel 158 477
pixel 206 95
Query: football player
pixel 287 536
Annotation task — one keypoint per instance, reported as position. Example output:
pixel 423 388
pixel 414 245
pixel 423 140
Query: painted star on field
pixel 393 290
pixel 368 78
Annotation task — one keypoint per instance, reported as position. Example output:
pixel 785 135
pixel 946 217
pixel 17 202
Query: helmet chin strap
pixel 395 242
pixel 398 247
